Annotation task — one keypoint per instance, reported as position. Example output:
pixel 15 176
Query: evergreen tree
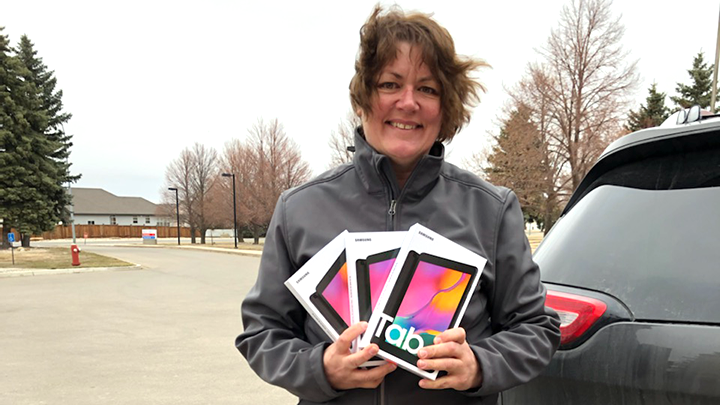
pixel 11 120
pixel 57 142
pixel 697 93
pixel 50 98
pixel 517 161
pixel 652 114
pixel 32 166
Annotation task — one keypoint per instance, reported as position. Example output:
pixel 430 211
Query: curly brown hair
pixel 379 37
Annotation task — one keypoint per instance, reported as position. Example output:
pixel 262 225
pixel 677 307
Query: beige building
pixel 95 206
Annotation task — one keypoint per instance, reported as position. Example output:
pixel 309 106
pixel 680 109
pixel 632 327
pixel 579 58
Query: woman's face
pixel 405 116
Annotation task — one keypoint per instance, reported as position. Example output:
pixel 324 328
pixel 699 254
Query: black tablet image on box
pixel 331 295
pixel 428 298
pixel 372 273
pixel 370 260
pixel 321 286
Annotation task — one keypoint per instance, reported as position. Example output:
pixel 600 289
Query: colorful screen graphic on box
pixel 379 273
pixel 337 296
pixel 431 300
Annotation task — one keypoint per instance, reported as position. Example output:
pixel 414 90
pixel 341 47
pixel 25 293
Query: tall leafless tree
pixel 193 174
pixel 179 175
pixel 534 93
pixel 204 175
pixel 590 81
pixel 236 159
pixel 575 101
pixel 265 165
pixel 342 138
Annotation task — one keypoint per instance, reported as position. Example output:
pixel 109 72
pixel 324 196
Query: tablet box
pixel 370 257
pixel 321 286
pixel 426 293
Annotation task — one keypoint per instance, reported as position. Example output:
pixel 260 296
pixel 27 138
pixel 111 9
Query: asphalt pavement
pixel 161 333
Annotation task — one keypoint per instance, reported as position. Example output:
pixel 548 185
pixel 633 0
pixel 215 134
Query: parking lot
pixel 162 334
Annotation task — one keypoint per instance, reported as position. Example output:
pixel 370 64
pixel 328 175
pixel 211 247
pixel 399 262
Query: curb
pixel 5 273
pixel 243 252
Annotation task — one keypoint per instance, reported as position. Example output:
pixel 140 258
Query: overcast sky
pixel 146 79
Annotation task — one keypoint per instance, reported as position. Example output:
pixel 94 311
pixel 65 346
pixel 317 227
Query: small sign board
pixel 11 239
pixel 149 236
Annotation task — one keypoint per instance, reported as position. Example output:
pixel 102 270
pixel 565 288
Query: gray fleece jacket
pixel 511 332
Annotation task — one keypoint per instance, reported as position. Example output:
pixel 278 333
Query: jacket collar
pixel 376 172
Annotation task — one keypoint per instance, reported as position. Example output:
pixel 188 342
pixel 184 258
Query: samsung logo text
pixel 426 235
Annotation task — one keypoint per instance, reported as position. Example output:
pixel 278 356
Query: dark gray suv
pixel 633 269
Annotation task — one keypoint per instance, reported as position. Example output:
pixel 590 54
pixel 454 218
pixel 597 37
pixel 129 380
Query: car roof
pixel 665 131
pixel 638 145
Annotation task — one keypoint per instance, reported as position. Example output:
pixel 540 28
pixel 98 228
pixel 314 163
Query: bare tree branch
pixel 342 138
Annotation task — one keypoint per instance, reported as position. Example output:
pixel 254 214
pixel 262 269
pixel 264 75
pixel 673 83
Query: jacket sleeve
pixel 273 340
pixel 525 332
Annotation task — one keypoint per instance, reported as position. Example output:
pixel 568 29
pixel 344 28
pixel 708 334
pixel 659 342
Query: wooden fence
pixel 115 231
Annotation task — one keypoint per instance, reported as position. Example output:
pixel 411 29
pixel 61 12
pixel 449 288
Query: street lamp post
pixel 177 210
pixel 234 207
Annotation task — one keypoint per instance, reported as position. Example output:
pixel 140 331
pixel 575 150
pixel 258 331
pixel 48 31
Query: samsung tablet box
pixel 427 292
pixel 321 286
pixel 370 257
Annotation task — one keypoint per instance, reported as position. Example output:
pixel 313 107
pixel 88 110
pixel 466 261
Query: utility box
pixel 149 236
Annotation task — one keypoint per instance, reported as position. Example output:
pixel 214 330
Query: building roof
pixel 94 201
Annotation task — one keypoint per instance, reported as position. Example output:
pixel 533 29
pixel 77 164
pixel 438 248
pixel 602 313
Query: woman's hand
pixel 450 352
pixel 341 366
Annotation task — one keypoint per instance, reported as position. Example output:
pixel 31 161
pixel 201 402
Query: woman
pixel 412 92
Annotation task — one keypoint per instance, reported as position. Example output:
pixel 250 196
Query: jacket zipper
pixel 393 202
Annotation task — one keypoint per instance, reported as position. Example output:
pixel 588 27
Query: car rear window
pixel 658 251
pixel 668 165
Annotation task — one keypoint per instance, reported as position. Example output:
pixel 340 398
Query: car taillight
pixel 577 313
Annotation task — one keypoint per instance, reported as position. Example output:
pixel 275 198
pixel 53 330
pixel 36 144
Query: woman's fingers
pixel 447 364
pixel 452 354
pixel 346 338
pixel 341 366
pixel 449 349
pixel 357 359
pixel 451 335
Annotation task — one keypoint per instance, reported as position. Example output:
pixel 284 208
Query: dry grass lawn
pixel 54 258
